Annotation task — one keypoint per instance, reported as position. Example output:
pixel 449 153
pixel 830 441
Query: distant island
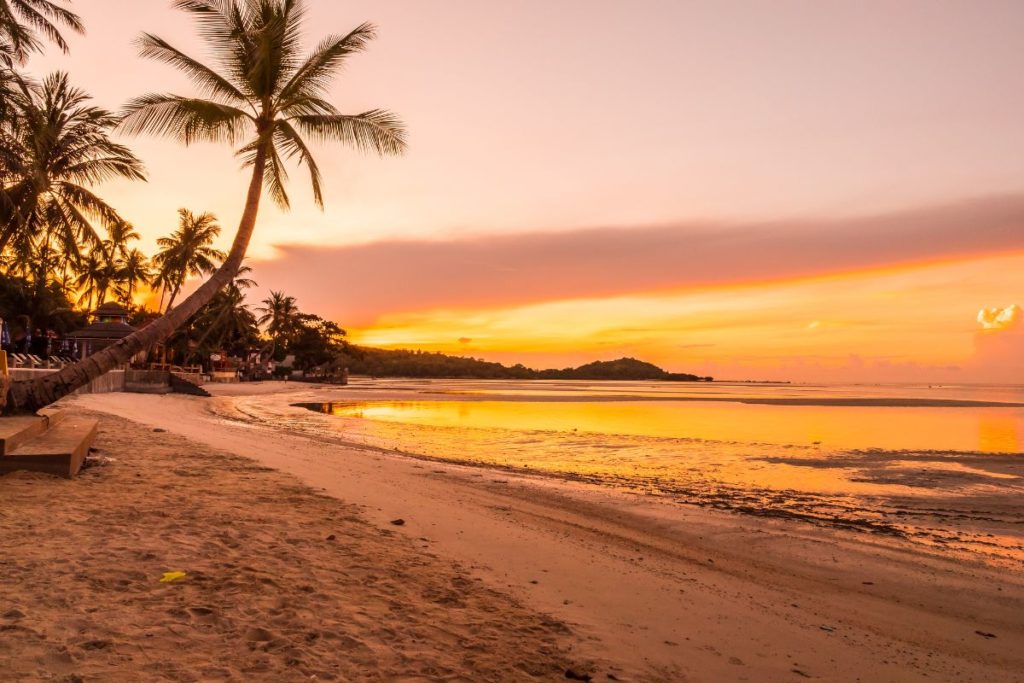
pixel 404 363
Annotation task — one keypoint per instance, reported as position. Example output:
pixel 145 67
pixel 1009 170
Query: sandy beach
pixel 413 342
pixel 294 570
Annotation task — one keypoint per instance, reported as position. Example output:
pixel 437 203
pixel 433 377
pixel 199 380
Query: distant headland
pixel 406 363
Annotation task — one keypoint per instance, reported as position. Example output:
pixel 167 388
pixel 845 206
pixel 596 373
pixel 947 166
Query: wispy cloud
pixel 359 283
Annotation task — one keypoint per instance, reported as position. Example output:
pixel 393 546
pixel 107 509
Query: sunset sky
pixel 779 190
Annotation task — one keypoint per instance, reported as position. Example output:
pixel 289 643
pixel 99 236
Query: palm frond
pixel 22 20
pixel 85 200
pixel 377 130
pixel 105 168
pixel 291 142
pixel 76 228
pixel 275 178
pixel 55 12
pixel 314 76
pixel 184 118
pixel 209 81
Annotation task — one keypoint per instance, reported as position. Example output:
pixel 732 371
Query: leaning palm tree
pixel 262 94
pixel 22 21
pixel 188 251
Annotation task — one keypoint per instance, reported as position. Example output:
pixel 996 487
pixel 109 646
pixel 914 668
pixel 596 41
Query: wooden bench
pixel 54 443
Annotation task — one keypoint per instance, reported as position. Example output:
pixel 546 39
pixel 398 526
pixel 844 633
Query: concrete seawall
pixel 111 382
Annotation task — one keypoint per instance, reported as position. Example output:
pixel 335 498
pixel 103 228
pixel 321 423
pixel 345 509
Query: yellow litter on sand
pixel 170 577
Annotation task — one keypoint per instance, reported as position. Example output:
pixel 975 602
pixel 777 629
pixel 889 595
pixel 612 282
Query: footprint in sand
pixel 203 615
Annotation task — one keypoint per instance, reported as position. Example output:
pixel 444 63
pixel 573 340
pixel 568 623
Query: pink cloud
pixel 356 284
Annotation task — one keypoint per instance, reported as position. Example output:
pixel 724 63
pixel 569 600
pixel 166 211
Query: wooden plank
pixel 61 450
pixel 15 431
pixel 52 415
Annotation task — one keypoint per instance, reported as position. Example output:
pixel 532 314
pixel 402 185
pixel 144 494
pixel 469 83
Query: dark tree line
pixel 404 363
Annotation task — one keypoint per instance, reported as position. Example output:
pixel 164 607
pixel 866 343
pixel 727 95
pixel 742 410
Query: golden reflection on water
pixel 936 474
pixel 999 434
pixel 891 428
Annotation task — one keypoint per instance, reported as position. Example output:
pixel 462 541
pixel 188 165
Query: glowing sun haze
pixel 786 190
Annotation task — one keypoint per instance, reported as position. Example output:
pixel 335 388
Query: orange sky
pixel 787 190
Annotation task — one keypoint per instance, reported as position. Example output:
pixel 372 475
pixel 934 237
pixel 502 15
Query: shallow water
pixel 951 473
pixel 847 427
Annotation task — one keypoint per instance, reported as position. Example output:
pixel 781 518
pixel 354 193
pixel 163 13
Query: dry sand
pixel 282 583
pixel 648 591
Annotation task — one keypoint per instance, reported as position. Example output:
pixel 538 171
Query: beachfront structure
pixel 110 323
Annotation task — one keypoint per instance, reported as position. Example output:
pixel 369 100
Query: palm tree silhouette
pixel 133 270
pixel 63 146
pixel 21 22
pixel 279 313
pixel 263 95
pixel 188 251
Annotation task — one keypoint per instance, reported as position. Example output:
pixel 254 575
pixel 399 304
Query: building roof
pixel 103 331
pixel 112 308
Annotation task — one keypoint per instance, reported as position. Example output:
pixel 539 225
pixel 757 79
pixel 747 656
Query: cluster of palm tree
pixel 56 146
pixel 186 252
pixel 224 325
pixel 276 328
pixel 261 95
pixel 279 314
pixel 312 340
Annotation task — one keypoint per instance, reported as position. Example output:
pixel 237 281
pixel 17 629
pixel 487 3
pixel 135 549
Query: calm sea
pixel 944 463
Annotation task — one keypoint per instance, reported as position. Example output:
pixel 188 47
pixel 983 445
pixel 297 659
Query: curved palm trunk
pixel 28 396
pixel 174 295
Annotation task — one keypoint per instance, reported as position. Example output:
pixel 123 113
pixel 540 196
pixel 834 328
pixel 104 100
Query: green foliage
pixel 225 326
pixel 279 313
pixel 313 340
pixel 54 147
pixel 316 342
pixel 623 369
